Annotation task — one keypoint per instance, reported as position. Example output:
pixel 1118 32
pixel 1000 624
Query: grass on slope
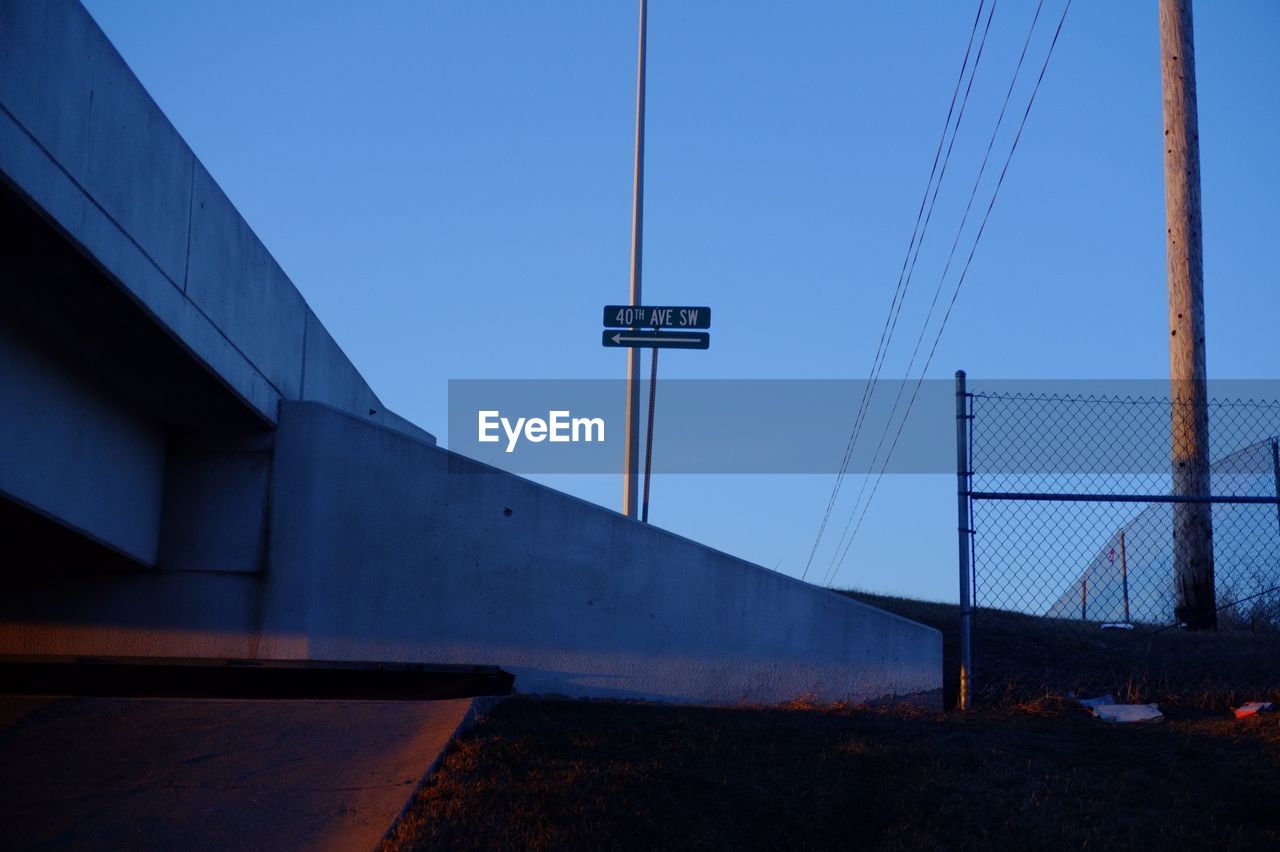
pixel 1020 658
pixel 1028 769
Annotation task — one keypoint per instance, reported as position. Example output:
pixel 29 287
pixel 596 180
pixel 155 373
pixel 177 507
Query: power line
pixel 842 546
pixel 895 306
pixel 899 294
pixel 964 272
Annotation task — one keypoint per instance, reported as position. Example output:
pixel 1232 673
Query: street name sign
pixel 656 339
pixel 651 316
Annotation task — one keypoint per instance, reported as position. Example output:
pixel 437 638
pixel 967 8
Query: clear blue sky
pixel 423 169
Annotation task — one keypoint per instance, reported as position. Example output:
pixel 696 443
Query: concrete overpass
pixel 190 466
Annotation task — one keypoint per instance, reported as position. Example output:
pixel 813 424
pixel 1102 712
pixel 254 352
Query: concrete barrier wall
pixel 386 548
pixel 88 611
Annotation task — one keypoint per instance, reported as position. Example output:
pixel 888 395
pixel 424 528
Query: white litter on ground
pixel 1129 713
pixel 1104 707
pixel 1116 625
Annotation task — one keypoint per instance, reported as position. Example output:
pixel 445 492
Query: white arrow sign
pixel 658 340
pixel 662 338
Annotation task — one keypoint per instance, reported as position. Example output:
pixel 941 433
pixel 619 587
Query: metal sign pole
pixel 648 444
pixel 631 468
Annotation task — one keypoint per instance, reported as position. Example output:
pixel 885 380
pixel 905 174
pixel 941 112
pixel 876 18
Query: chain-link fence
pixel 1151 565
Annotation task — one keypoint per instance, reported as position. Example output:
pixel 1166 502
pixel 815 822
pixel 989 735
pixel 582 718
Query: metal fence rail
pixel 1067 509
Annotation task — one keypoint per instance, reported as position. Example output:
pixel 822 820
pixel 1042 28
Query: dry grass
pixel 1021 658
pixel 1030 770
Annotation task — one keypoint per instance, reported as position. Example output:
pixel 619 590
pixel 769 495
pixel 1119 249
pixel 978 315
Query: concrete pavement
pixel 195 774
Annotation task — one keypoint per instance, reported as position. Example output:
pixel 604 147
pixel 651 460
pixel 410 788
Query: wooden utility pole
pixel 631 464
pixel 1195 604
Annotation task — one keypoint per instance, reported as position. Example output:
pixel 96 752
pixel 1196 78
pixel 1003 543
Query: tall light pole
pixel 631 476
pixel 1196 603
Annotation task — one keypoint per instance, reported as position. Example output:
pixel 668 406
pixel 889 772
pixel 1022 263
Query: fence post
pixel 1124 576
pixel 1275 472
pixel 965 698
